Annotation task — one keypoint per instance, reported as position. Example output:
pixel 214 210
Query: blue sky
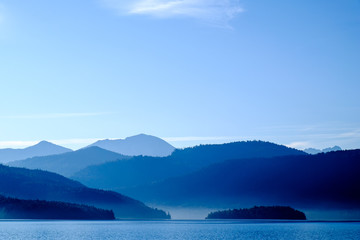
pixel 191 71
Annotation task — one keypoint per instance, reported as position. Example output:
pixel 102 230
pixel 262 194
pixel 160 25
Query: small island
pixel 12 208
pixel 261 212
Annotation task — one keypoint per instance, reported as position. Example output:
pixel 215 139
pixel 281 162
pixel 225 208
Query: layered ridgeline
pixel 313 182
pixel 141 144
pixel 97 153
pixel 274 212
pixel 325 150
pixel 36 184
pixel 43 148
pixel 125 174
pixel 69 163
pixel 12 208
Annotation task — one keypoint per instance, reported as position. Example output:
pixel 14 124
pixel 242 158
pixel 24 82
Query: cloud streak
pixel 213 11
pixel 66 142
pixel 193 138
pixel 53 115
pixel 16 144
pixel 299 145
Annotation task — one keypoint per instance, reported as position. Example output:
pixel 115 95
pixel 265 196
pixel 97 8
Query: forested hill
pixel 37 184
pixel 11 208
pixel 327 180
pixel 204 155
pixel 136 171
pixel 275 212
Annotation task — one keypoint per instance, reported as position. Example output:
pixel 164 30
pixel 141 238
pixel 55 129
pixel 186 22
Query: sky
pixel 188 71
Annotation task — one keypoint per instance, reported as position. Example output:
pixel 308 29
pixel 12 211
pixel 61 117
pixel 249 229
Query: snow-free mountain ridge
pixel 68 163
pixel 43 148
pixel 325 150
pixel 137 145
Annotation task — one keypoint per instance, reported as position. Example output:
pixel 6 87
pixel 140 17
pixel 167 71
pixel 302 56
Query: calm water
pixel 183 230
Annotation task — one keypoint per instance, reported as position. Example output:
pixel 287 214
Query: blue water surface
pixel 182 230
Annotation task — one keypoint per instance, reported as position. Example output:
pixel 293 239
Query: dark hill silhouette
pixel 12 208
pixel 43 148
pixel 274 212
pixel 141 144
pixel 323 181
pixel 121 175
pixel 204 155
pixel 67 164
pixel 37 184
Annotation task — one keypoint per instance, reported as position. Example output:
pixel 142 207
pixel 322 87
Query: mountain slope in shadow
pixel 12 208
pixel 323 181
pixel 37 184
pixel 67 164
pixel 120 175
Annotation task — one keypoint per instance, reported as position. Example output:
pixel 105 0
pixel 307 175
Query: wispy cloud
pixel 188 141
pixel 193 138
pixel 17 144
pixel 53 115
pixel 299 137
pixel 212 11
pixel 327 137
pixel 299 145
pixel 77 142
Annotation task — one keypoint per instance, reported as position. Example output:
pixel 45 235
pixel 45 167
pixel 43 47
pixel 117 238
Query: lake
pixel 182 230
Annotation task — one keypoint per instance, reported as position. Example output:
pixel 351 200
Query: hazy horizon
pixel 181 142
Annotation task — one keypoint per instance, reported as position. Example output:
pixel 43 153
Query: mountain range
pixel 138 145
pixel 231 175
pixel 323 181
pixel 325 150
pixel 124 174
pixel 69 163
pixel 28 184
pixel 43 148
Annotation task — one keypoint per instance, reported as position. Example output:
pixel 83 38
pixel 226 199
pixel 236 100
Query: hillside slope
pixel 12 208
pixel 43 148
pixel 322 181
pixel 67 164
pixel 120 175
pixel 36 184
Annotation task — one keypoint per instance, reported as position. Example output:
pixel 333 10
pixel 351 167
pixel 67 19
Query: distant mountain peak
pixel 332 149
pixel 141 144
pixel 140 135
pixel 45 146
pixel 325 150
pixel 44 143
pixel 42 148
